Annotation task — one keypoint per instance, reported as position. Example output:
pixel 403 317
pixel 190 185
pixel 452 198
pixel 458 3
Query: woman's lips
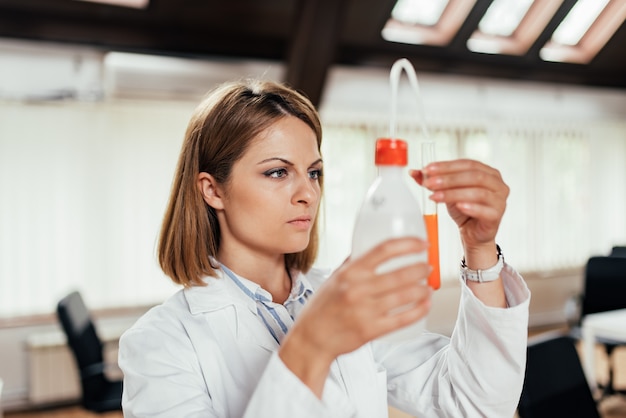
pixel 302 222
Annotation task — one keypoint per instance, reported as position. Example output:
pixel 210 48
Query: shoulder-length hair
pixel 219 133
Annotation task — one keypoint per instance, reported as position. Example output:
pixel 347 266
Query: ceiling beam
pixel 314 42
pixel 470 24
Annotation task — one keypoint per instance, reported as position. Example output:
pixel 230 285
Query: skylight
pixel 134 4
pixel 585 30
pixel 426 22
pixel 504 16
pixel 578 21
pixel 420 12
pixel 512 26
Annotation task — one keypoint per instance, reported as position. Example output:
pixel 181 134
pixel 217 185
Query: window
pixel 419 12
pixel 426 22
pixel 511 26
pixel 584 31
pixel 504 16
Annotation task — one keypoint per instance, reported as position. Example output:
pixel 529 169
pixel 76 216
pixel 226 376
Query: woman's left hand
pixel 474 194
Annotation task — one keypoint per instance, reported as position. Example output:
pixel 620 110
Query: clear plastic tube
pixel 394 80
pixel 428 155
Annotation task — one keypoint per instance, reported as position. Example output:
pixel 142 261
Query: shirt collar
pixel 300 288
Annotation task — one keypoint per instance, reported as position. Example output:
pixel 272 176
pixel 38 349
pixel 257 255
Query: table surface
pixel 609 324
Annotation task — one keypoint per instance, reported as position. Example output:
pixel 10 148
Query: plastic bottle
pixel 390 210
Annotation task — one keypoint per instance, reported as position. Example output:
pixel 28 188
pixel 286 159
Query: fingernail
pixel 437 196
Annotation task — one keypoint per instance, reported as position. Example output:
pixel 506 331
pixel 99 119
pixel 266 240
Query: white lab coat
pixel 205 353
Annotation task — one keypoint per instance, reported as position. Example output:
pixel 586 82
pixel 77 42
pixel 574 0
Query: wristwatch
pixel 482 276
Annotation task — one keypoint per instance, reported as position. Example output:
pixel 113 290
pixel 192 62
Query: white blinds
pixel 568 187
pixel 83 188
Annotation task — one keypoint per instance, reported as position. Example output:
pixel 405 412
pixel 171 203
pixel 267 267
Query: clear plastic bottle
pixel 390 210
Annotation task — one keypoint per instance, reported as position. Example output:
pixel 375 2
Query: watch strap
pixel 484 275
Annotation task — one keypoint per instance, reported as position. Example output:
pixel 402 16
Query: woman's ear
pixel 211 193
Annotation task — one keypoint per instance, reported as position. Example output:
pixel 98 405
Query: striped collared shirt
pixel 278 318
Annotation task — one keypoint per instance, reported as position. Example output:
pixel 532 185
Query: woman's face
pixel 271 201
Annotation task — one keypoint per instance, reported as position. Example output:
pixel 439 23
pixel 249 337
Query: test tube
pixel 430 219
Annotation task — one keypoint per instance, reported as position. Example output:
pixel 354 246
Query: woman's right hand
pixel 354 306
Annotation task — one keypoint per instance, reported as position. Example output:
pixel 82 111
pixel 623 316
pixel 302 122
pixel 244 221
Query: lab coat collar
pixel 219 293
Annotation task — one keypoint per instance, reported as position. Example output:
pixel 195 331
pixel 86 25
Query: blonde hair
pixel 219 132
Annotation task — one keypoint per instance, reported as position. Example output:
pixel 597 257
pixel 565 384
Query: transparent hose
pixel 428 155
pixel 394 80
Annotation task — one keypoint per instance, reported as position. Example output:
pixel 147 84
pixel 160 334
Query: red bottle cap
pixel 391 152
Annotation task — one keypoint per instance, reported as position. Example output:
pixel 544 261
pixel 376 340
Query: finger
pixel 418 176
pixel 401 299
pixel 467 179
pixel 402 278
pixel 389 323
pixel 462 173
pixel 445 167
pixel 472 195
pixel 389 249
pixel 482 212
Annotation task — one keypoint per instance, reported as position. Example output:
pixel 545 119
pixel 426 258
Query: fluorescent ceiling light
pixel 578 21
pixel 504 16
pixel 421 12
pixel 134 4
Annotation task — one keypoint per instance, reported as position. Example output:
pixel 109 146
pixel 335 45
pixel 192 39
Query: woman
pixel 258 332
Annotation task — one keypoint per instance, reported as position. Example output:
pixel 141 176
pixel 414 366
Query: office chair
pixel 618 251
pixel 604 290
pixel 99 393
pixel 555 383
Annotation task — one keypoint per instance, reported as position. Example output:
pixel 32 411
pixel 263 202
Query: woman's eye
pixel 315 174
pixel 276 173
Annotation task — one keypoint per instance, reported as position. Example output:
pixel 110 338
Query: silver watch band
pixel 486 275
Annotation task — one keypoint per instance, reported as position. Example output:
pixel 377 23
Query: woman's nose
pixel 307 190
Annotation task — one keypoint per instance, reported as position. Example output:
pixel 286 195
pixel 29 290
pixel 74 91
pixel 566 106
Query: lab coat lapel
pixel 221 294
pixel 243 350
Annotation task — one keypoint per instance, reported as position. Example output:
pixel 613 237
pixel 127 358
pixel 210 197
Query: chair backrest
pixel 555 384
pixel 618 251
pixel 605 285
pixel 84 343
pixel 79 330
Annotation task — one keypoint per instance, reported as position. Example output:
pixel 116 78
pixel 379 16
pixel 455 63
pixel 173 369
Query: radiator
pixel 52 372
pixel 53 375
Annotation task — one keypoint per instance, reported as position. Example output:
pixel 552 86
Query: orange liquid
pixel 434 280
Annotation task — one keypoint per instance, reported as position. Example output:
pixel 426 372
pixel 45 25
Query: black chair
pixel 555 384
pixel 618 251
pixel 99 393
pixel 604 290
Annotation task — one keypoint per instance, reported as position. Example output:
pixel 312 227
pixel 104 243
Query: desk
pixel 610 324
